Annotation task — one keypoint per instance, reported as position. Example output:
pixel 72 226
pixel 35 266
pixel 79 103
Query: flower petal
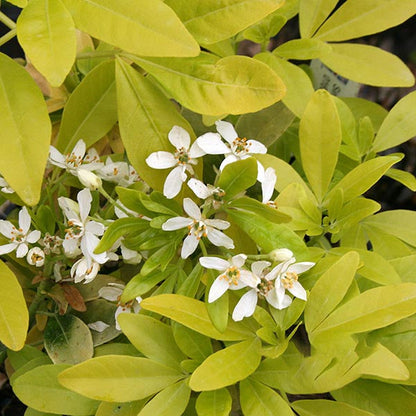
pixel 256 147
pixel 199 188
pixel 298 291
pixel 258 266
pixel 245 306
pixel 214 263
pixel 189 245
pixel 219 239
pixel 6 228
pixel 174 181
pixel 94 227
pixel 84 198
pixel 218 288
pixel 56 157
pixel 195 151
pixel 179 137
pixel 299 268
pixel 191 209
pixel 226 130
pixel 24 220
pixel 79 149
pixel 212 144
pixel 239 260
pixel 228 159
pixel 249 279
pixel 161 160
pixel 98 326
pixel 22 250
pixel 88 244
pixel 220 224
pixel 7 248
pixel 176 223
pixel 276 302
pixel 33 236
pixel 110 293
pixel 267 184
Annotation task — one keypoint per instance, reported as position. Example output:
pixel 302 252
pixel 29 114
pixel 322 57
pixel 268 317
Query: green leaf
pixel 39 389
pixel 91 109
pixel 398 126
pixel 368 65
pixel 329 290
pixel 372 309
pixel 216 86
pixel 118 378
pixel 68 340
pixel 399 223
pixel 302 49
pixel 24 153
pixel 258 399
pixel 238 176
pixel 14 316
pixel 380 399
pixel 319 139
pixel 357 18
pixel 46 31
pixel 120 409
pixel 24 356
pixel 150 27
pixel 312 13
pixel 319 407
pixel 361 178
pixel 265 29
pixel 193 314
pixel 405 267
pixel 171 401
pixel 405 178
pixel 144 107
pixel 214 403
pixel 227 366
pixel 299 85
pixel 211 21
pixel 152 338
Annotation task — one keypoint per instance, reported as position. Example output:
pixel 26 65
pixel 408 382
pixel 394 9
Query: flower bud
pixel 36 257
pixel 281 254
pixel 89 179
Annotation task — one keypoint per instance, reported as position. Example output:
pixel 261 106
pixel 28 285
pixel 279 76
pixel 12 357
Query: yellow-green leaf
pixel 398 126
pixel 120 409
pixel 14 317
pixel 39 389
pixel 214 403
pixel 91 110
pixel 211 21
pixel 312 14
pixel 143 27
pixel 118 378
pixel 368 65
pixel 227 366
pixel 298 84
pixel 215 86
pixel 46 31
pixel 357 18
pixel 405 178
pixel 25 131
pixel 18 3
pixel 302 49
pixel 319 139
pixel 319 407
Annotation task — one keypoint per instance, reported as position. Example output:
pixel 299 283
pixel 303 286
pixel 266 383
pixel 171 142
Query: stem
pixel 9 35
pixel 7 21
pixel 258 257
pixel 113 201
pixel 203 248
pixel 33 308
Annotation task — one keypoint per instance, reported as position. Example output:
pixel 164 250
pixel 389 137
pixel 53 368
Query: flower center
pixel 198 228
pixel 232 274
pixel 75 230
pixel 73 160
pixel 182 156
pixel 241 145
pixel 265 286
pixel 17 235
pixel 35 258
pixel 288 279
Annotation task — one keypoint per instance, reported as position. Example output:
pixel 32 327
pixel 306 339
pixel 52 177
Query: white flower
pixel 51 244
pixel 198 227
pixel 5 187
pixel 19 237
pixel 85 269
pixel 76 159
pixel 181 161
pixel 89 179
pixel 232 277
pixel 268 181
pixel 210 193
pixel 281 254
pixel 113 292
pixel 98 326
pixel 36 257
pixel 81 232
pixel 235 149
pixel 120 173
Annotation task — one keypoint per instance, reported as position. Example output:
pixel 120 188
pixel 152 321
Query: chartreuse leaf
pixel 399 223
pixel 30 365
pixel 302 49
pixel 320 407
pixel 214 403
pixel 312 13
pixel 152 338
pixel 39 389
pixel 363 177
pixel 46 31
pixel 298 84
pixel 330 289
pixel 193 314
pixel 238 176
pixel 68 340
pixel 120 409
pixel 91 109
pixel 368 65
pixel 24 356
pixel 319 139
pixel 211 21
pixel 258 399
pixel 404 266
pixel 14 317
pixel 372 309
pixel 150 27
pixel 215 86
pixel 18 3
pixel 24 153
pixel 32 412
pixel 398 126
pixel 171 401
pixel 265 29
pixel 357 18
pixel 227 366
pixel 404 177
pixel 144 108
pixel 379 398
pixel 118 378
